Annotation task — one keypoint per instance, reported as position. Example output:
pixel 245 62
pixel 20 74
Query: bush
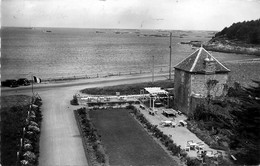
pixel 100 156
pixel 29 156
pixel 89 132
pixel 81 111
pixel 193 162
pixel 25 163
pixel 34 129
pixel 28 147
pixel 33 123
pixel 74 101
pixel 183 153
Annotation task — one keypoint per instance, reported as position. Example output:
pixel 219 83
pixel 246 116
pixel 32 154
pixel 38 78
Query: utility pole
pixel 32 84
pixel 153 71
pixel 170 67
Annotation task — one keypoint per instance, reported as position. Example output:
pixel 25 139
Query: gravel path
pixel 60 143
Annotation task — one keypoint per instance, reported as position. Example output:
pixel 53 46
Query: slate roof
pixel 195 62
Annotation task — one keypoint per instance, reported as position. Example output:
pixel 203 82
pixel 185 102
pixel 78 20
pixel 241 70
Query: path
pixel 60 143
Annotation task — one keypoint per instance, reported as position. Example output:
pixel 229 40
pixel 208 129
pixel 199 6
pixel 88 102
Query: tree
pixel 249 115
pixel 248 125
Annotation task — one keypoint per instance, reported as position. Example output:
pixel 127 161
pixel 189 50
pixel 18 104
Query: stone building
pixel 199 75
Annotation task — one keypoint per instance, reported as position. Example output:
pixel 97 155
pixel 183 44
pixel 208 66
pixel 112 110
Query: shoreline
pixel 219 47
pixel 59 83
pixel 226 47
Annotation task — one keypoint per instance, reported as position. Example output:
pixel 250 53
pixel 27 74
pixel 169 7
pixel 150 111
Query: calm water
pixel 78 52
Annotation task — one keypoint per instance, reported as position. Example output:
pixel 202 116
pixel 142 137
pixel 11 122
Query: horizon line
pixel 31 27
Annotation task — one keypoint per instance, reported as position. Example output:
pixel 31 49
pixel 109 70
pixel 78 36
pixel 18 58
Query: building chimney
pixel 210 65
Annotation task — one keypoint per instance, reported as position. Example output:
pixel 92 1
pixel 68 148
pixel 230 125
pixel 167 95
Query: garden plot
pixel 125 141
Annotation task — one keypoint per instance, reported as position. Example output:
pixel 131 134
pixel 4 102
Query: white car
pixel 168 123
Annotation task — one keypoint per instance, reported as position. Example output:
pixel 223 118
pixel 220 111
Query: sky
pixel 129 14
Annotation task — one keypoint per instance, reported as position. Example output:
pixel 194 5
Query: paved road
pixel 60 142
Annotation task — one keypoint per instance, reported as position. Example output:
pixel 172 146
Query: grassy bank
pixel 244 72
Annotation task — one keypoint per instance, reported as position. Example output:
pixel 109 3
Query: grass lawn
pixel 128 89
pixel 125 141
pixel 244 72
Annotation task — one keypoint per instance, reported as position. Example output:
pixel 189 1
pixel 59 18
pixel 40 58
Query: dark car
pixel 23 81
pixel 10 83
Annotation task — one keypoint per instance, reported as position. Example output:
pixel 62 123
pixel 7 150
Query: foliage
pixel 127 89
pixel 248 125
pixel 29 156
pixel 247 31
pixel 14 121
pixel 90 132
pixel 74 101
pixel 236 122
pixel 193 162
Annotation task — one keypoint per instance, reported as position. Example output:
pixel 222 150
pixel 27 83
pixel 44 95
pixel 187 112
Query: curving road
pixel 60 142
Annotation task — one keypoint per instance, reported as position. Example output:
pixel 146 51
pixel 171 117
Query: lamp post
pixel 153 71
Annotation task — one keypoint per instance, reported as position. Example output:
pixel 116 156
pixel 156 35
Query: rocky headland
pixel 231 46
pixel 240 38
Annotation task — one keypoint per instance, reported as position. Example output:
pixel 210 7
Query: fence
pixel 157 70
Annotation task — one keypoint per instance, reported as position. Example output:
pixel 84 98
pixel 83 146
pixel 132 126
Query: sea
pixel 50 53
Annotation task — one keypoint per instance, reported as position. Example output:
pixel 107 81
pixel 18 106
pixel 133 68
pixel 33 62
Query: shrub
pixel 34 129
pixel 100 156
pixel 183 153
pixel 29 156
pixel 81 111
pixel 193 162
pixel 27 141
pixel 25 163
pixel 74 101
pixel 175 149
pixel 33 123
pixel 89 132
pixel 28 147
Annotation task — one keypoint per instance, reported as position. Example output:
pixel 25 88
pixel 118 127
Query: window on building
pixel 182 77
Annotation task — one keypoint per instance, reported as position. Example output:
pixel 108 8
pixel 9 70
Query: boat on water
pixel 99 32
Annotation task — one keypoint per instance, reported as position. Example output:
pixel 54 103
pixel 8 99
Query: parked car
pixel 142 107
pixel 10 83
pixel 23 81
pixel 167 123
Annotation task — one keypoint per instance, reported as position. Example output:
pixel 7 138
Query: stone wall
pixel 199 84
pixel 181 90
pixel 188 84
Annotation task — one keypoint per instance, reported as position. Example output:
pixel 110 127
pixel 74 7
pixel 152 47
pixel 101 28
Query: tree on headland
pixel 247 31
